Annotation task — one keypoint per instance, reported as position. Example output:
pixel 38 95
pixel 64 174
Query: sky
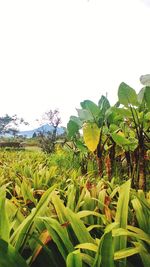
pixel 57 53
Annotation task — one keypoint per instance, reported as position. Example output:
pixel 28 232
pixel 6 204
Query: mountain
pixel 44 128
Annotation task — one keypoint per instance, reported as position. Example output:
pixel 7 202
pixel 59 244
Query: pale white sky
pixel 56 53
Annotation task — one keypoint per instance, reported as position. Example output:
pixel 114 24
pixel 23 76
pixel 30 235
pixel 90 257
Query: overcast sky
pixel 56 53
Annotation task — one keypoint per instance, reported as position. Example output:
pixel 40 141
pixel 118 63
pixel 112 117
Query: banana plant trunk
pixel 142 172
pixel 99 160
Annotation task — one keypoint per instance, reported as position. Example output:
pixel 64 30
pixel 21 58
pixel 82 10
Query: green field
pixel 51 215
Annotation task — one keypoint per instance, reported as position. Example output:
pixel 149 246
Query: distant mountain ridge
pixel 44 128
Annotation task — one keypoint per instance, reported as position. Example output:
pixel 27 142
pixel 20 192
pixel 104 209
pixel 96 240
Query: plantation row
pixel 118 136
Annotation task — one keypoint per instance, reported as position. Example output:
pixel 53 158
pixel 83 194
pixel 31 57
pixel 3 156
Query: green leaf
pixel 89 246
pixel 91 107
pixel 120 139
pixel 127 95
pixel 72 128
pixel 81 146
pixel 91 134
pixel 127 252
pixel 147 116
pixel 85 115
pixel 105 253
pixel 142 214
pixel 144 253
pixel 9 256
pixel 19 237
pixel 121 217
pixel 74 259
pixel 4 223
pixel 141 95
pixel 59 236
pixel 103 104
pixel 76 120
pixel 147 96
pixel 78 227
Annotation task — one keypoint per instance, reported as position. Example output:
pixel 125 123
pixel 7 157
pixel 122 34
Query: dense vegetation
pixel 87 203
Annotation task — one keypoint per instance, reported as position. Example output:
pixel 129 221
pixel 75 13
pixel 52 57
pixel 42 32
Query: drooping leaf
pixel 91 134
pixel 127 252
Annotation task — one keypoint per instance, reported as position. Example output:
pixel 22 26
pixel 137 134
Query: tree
pixel 34 135
pixel 48 139
pixel 9 124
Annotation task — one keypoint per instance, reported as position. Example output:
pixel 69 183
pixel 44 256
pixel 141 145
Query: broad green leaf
pixel 120 139
pixel 124 112
pixel 9 257
pixel 72 128
pixel 91 107
pixel 81 146
pixel 91 134
pixel 76 120
pixel 4 223
pixel 85 115
pixel 127 95
pixel 74 259
pixel 147 96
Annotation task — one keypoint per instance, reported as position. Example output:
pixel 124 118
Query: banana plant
pixel 91 119
pixel 138 141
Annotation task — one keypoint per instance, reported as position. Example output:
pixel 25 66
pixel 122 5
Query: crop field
pixel 87 203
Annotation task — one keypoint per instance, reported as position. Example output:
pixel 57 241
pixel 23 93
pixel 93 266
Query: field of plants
pixel 86 204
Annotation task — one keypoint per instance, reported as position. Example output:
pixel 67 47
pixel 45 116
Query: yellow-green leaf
pixel 91 134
